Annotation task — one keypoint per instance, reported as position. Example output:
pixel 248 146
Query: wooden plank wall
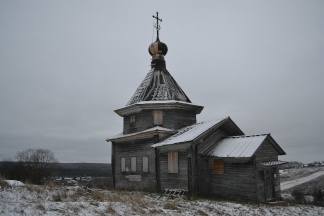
pixel 237 181
pixel 203 166
pixel 138 149
pixel 183 118
pixel 174 180
pixel 172 118
pixel 266 152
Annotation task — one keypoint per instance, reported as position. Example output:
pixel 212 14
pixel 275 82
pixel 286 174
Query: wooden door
pixel 269 185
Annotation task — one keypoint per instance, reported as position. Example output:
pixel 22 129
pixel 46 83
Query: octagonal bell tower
pixel 159 100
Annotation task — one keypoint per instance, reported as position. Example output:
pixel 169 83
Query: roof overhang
pixel 168 104
pixel 152 131
pixel 269 164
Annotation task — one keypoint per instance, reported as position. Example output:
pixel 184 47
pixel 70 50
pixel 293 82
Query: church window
pixel 132 120
pixel 133 164
pixel 145 163
pixel 158 117
pixel 173 162
pixel 123 164
pixel 218 166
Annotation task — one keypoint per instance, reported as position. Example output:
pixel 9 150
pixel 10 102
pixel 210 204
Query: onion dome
pixel 158 47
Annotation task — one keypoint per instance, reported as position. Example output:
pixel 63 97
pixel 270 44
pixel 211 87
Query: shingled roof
pixel 158 85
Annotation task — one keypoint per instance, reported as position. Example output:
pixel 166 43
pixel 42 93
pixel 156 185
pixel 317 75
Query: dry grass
pixel 110 210
pixel 40 207
pixel 98 195
pixel 34 188
pixel 50 185
pixel 171 206
pixel 59 196
pixel 2 182
pixel 202 213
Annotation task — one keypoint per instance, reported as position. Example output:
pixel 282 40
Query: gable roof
pixel 236 146
pixel 192 132
pixel 240 146
pixel 153 130
pixel 158 85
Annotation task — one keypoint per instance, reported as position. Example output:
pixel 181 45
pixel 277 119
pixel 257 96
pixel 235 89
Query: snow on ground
pixel 289 184
pixel 39 200
pixel 14 183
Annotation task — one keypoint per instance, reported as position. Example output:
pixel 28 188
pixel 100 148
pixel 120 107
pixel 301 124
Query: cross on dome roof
pixel 158 85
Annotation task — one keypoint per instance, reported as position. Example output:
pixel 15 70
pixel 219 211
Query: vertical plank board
pixel 173 162
pixel 158 117
pixel 123 164
pixel 133 164
pixel 218 166
pixel 145 164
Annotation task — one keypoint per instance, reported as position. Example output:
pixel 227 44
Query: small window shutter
pixel 158 117
pixel 145 164
pixel 133 164
pixel 218 166
pixel 173 162
pixel 122 164
pixel 132 120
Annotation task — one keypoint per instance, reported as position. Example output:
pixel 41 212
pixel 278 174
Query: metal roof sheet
pixel 189 133
pixel 237 146
pixel 150 130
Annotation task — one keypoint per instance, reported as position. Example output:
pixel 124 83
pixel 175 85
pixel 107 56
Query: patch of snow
pixel 14 183
pixel 40 200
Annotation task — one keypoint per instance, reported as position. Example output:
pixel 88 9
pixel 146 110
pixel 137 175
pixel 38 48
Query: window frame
pixel 173 162
pixel 123 164
pixel 145 164
pixel 158 117
pixel 132 120
pixel 133 164
pixel 218 167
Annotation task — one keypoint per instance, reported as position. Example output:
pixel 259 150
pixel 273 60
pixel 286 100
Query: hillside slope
pixel 52 200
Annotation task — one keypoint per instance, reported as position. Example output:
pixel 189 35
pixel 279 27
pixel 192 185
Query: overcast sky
pixel 66 65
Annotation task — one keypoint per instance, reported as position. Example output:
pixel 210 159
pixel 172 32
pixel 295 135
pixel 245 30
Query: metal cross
pixel 157 26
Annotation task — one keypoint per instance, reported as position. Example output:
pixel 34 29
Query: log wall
pixel 172 118
pixel 137 180
pixel 174 180
pixel 236 181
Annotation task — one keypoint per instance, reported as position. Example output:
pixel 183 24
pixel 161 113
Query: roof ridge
pixel 243 136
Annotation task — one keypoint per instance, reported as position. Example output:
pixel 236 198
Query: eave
pixel 140 135
pixel 168 104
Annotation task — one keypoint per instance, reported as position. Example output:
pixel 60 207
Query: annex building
pixel 163 148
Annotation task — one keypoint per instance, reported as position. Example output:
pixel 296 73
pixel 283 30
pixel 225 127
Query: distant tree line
pixel 33 165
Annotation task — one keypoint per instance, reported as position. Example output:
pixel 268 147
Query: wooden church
pixel 163 148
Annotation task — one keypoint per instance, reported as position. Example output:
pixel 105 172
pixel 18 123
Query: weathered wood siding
pixel 237 181
pixel 266 152
pixel 174 180
pixel 204 183
pixel 181 118
pixel 172 118
pixel 138 180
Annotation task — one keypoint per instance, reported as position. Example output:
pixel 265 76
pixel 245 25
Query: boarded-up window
pixel 173 162
pixel 145 164
pixel 122 164
pixel 132 120
pixel 133 164
pixel 158 117
pixel 219 166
